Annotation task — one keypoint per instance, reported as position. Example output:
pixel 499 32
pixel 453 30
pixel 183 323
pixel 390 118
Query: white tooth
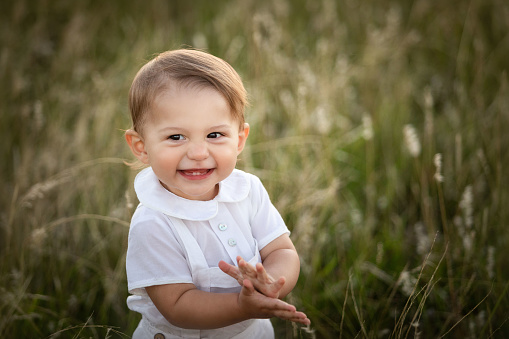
pixel 197 173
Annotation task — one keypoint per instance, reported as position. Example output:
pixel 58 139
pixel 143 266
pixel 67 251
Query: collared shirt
pixel 240 217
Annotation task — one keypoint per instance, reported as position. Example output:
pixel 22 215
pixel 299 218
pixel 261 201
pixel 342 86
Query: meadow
pixel 379 128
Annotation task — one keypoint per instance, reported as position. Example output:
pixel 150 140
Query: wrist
pixel 241 310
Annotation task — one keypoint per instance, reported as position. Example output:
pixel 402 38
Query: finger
pixel 231 270
pixel 277 305
pixel 290 314
pixel 264 278
pixel 262 274
pixel 247 288
pixel 278 285
pixel 303 321
pixel 247 269
pixel 271 307
pixel 273 289
pixel 224 266
pixel 266 283
pixel 297 317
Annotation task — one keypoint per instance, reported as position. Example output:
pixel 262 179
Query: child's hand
pixel 258 276
pixel 256 305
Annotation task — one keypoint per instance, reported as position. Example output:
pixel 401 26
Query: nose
pixel 198 151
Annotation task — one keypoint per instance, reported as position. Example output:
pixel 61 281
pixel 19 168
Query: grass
pixel 350 103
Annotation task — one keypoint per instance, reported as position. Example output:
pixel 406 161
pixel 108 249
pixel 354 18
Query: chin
pixel 200 195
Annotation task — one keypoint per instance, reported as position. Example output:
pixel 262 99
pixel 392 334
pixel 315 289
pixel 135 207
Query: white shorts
pixel 260 329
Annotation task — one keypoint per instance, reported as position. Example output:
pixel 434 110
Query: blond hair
pixel 185 67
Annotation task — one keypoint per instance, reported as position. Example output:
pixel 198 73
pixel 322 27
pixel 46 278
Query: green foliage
pixel 351 101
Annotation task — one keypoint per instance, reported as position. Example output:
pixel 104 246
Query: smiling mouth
pixel 195 174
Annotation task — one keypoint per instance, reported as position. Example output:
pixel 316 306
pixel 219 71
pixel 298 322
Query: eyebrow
pixel 172 129
pixel 178 129
pixel 220 126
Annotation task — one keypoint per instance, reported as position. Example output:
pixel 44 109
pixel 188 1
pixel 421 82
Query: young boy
pixel 205 241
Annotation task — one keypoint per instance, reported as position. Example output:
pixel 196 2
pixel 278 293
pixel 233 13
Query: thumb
pixel 277 286
pixel 247 288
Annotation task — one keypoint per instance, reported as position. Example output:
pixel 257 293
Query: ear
pixel 137 145
pixel 242 138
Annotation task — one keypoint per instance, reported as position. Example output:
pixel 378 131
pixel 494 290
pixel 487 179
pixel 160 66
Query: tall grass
pixel 378 127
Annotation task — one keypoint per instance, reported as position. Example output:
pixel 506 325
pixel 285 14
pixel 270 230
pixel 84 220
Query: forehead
pixel 189 105
pixel 189 96
pixel 173 93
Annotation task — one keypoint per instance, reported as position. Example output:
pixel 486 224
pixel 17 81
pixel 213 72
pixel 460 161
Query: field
pixel 380 129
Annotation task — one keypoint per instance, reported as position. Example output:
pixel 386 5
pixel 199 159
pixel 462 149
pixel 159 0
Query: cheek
pixel 164 158
pixel 228 157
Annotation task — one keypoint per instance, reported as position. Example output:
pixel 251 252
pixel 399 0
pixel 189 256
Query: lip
pixel 196 173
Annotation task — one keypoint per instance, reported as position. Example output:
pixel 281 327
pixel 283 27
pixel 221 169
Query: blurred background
pixel 379 128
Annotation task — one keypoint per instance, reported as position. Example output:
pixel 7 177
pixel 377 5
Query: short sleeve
pixel 154 255
pixel 266 222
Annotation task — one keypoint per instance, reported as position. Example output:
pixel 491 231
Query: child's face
pixel 191 141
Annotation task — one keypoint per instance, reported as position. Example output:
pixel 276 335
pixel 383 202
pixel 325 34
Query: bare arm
pixel 185 306
pixel 280 259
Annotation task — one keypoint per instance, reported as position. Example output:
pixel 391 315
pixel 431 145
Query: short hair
pixel 185 67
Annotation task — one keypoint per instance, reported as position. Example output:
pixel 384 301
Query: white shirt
pixel 240 217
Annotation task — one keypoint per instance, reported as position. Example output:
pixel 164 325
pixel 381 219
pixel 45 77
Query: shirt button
pixel 232 242
pixel 222 227
pixel 159 336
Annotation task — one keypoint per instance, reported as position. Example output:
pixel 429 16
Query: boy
pixel 198 215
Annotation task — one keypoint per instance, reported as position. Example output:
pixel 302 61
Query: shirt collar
pixel 153 195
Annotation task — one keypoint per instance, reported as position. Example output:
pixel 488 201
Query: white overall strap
pixel 195 260
pixel 203 276
pixel 195 257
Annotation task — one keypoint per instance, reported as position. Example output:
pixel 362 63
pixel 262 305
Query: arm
pixel 279 259
pixel 185 306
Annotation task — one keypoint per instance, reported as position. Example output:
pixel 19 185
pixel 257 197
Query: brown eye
pixel 214 135
pixel 176 137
